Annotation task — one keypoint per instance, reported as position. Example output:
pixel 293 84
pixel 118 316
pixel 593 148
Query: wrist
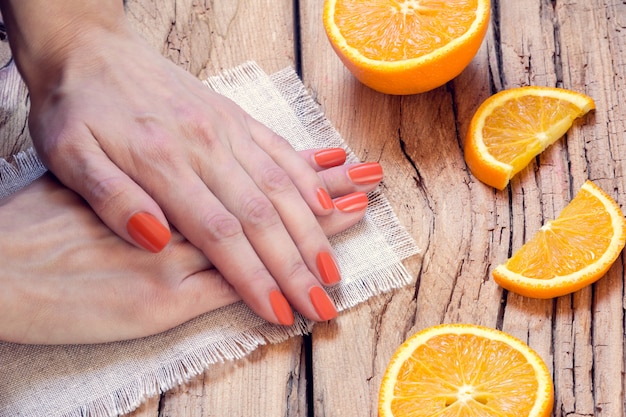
pixel 44 34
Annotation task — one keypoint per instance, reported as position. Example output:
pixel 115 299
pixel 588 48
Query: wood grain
pixel 463 227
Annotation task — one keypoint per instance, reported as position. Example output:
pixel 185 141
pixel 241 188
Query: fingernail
pixel 367 173
pixel 352 202
pixel 148 232
pixel 281 308
pixel 328 268
pixel 324 198
pixel 322 304
pixel 328 158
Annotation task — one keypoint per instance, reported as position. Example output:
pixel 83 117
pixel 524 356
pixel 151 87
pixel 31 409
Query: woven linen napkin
pixel 114 378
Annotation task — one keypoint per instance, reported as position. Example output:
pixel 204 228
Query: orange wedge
pixel 570 252
pixel 462 370
pixel 406 46
pixel 513 126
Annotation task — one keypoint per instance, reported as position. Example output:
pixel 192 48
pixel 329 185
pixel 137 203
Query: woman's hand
pixel 146 144
pixel 66 278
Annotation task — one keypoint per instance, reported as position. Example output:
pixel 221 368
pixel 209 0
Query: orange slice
pixel 513 126
pixel 406 46
pixel 570 252
pixel 462 370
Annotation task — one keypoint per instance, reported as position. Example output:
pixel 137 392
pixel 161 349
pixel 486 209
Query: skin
pixel 131 132
pixel 67 278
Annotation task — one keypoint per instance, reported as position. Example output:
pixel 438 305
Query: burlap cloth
pixel 114 378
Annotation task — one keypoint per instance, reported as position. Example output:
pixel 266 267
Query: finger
pixel 283 231
pixel 340 180
pixel 119 202
pixel 268 144
pixel 302 226
pixel 320 159
pixel 202 292
pixel 350 210
pixel 219 234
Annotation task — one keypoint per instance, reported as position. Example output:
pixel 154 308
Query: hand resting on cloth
pixel 67 278
pixel 148 148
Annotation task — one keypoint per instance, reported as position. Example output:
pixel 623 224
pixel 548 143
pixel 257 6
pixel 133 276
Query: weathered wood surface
pixel 463 227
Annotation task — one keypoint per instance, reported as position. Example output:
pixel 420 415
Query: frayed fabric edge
pixel 383 281
pixel 183 370
pixel 28 168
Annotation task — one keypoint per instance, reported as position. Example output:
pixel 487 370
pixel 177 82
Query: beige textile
pixel 114 378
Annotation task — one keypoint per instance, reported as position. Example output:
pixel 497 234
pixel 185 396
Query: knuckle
pixel 296 271
pixel 255 278
pixel 58 148
pixel 105 194
pixel 154 147
pixel 222 226
pixel 159 148
pixel 277 141
pixel 274 180
pixel 225 289
pixel 194 120
pixel 259 212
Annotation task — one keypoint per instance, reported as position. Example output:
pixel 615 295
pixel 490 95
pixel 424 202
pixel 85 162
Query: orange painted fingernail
pixel 324 198
pixel 367 173
pixel 281 308
pixel 328 158
pixel 352 202
pixel 148 232
pixel 322 303
pixel 328 268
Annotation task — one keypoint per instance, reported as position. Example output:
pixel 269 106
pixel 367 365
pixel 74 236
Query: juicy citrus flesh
pixel 406 46
pixel 456 370
pixel 513 126
pixel 402 30
pixel 570 252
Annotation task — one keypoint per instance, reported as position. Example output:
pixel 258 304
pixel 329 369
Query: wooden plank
pixel 527 53
pixel 416 140
pixel 269 382
pixel 206 38
pixel 596 65
pixel 348 357
pixel 14 105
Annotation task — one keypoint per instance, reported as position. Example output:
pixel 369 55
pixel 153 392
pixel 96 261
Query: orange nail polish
pixel 352 202
pixel 322 304
pixel 148 232
pixel 281 308
pixel 328 158
pixel 324 198
pixel 328 268
pixel 367 173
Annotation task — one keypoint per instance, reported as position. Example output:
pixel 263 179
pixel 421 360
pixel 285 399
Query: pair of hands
pixel 67 278
pixel 147 145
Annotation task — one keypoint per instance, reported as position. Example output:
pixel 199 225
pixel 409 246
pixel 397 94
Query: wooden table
pixel 463 227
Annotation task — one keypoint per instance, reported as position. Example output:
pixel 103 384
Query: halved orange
pixel 463 370
pixel 406 46
pixel 570 252
pixel 513 126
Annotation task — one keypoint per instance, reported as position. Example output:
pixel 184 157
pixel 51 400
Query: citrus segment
pixel 406 46
pixel 512 127
pixel 455 370
pixel 570 252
